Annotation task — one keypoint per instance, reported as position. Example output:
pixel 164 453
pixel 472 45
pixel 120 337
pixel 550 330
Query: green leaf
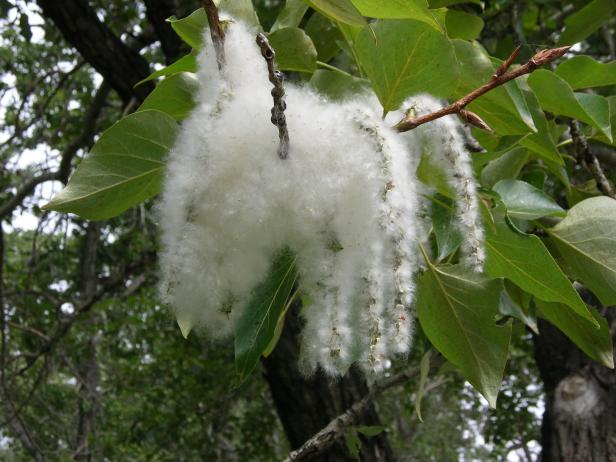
pixel 508 307
pixel 397 9
pixel 325 36
pixel 407 57
pixel 586 240
pixel 584 22
pixel 191 28
pixel 337 86
pixel 442 3
pixel 596 343
pixel 256 327
pixel 175 96
pixel 430 173
pixel 557 97
pixel 290 15
pixel 525 202
pixel 370 430
pixel 541 142
pixel 504 108
pixel 523 259
pixel 353 443
pixel 187 63
pixel 294 50
pixel 444 226
pixel 339 10
pixel 585 72
pixel 124 168
pixel 504 167
pixel 463 25
pixel 424 368
pixel 456 309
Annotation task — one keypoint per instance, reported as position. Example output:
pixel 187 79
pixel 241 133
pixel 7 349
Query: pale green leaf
pixel 424 368
pixel 463 25
pixel 504 167
pixel 191 28
pixel 397 9
pixel 586 240
pixel 290 15
pixel 557 97
pixel 456 309
pixel 339 10
pixel 124 168
pixel 337 86
pixel 445 226
pixel 175 95
pixel 187 63
pixel 585 72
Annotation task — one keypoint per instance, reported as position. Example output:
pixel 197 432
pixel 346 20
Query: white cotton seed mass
pixel 346 202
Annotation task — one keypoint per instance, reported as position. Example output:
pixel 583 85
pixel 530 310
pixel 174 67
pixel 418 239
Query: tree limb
pixel 585 157
pixel 499 78
pixel 336 427
pixel 118 63
pixel 157 12
pixel 216 31
pixel 63 172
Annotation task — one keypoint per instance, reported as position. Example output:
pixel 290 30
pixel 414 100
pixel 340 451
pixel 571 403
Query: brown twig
pixel 276 77
pixel 585 157
pixel 216 31
pixel 539 59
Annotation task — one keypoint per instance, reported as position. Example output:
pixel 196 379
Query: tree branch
pixel 499 78
pixel 157 12
pixel 336 427
pixel 216 31
pixel 63 172
pixel 276 77
pixel 584 156
pixel 120 65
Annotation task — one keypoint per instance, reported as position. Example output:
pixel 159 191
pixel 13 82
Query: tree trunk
pixel 306 405
pixel 579 423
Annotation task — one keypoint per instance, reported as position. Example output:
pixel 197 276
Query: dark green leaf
pixel 256 327
pixel 294 50
pixel 586 240
pixel 523 259
pixel 506 166
pixel 525 202
pixel 407 57
pixel 596 343
pixel 584 22
pixel 508 307
pixel 353 443
pixel 175 96
pixel 456 309
pixel 124 168
pixel 325 36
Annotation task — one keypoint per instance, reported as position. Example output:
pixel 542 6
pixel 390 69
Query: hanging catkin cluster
pixel 346 203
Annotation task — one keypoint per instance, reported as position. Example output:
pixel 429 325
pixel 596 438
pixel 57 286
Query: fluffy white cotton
pixel 345 202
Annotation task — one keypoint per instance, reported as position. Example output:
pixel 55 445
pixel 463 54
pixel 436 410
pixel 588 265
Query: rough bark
pixel 579 423
pixel 306 405
pixel 119 64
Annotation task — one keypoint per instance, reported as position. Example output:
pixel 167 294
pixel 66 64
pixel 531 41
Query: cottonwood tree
pixel 540 150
